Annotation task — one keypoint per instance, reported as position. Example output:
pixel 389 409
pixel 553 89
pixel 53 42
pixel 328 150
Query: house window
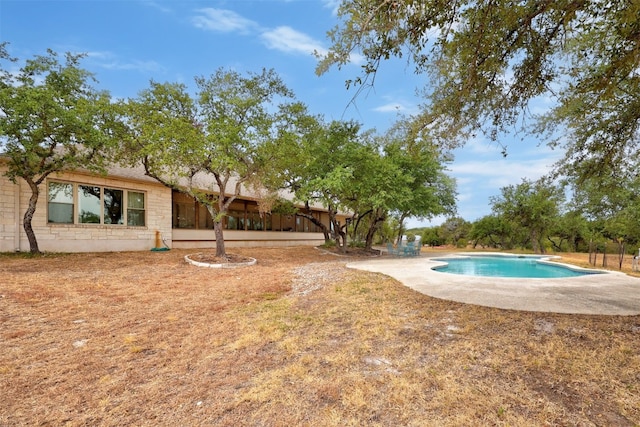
pixel 235 220
pixel 254 222
pixel 91 204
pixel 288 223
pixel 88 204
pixel 135 209
pixel 243 215
pixel 204 217
pixel 112 204
pixel 184 211
pixel 60 203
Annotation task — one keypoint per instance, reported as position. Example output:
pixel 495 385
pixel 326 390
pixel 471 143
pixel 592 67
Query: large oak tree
pixel 368 176
pixel 52 120
pixel 210 146
pixel 534 206
pixel 485 61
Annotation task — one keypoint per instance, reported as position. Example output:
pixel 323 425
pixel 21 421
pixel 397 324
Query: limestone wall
pixel 9 218
pixel 81 237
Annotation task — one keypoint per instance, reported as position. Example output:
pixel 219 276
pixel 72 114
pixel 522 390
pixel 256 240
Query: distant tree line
pixel 543 217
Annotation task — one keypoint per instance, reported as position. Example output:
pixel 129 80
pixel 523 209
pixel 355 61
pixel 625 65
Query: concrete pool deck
pixel 609 293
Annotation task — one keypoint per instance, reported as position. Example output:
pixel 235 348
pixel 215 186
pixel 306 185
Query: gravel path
pixel 314 276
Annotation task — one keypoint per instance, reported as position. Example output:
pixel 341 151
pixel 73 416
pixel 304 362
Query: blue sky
pixel 130 42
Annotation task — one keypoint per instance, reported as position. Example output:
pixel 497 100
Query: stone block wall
pixel 9 218
pixel 82 237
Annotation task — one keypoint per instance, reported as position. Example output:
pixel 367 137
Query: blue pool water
pixel 506 266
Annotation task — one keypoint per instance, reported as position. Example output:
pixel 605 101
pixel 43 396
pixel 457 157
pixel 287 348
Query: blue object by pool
pixel 507 266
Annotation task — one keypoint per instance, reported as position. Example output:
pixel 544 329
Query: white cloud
pixel 137 65
pixel 356 58
pixel 282 38
pixel 499 173
pixel 391 107
pixel 464 196
pixel 396 105
pixel 223 21
pixel 110 61
pixel 100 55
pixel 481 145
pixel 288 40
pixel 333 5
pixel 464 181
pixel 158 6
pixel 542 104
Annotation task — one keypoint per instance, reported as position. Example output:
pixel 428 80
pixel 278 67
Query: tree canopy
pixel 371 176
pixel 52 120
pixel 533 206
pixel 209 147
pixel 486 61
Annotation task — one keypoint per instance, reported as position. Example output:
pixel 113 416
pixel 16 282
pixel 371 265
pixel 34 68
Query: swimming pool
pixel 529 266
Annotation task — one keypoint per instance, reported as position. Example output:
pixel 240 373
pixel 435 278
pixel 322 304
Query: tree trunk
pixel 339 235
pixel 220 249
pixel 620 254
pixel 28 216
pixel 557 247
pixel 401 227
pixel 336 230
pixel 317 223
pixel 341 240
pixel 368 241
pixel 376 222
pixel 535 243
pixel 217 230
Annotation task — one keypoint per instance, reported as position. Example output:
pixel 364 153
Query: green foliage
pixel 487 61
pixel 454 230
pixel 462 243
pixel 533 206
pixel 431 236
pixel 427 190
pixel 228 136
pixel 357 244
pixel 568 231
pixel 329 244
pixel 52 120
pixel 284 207
pixel 387 231
pixel 535 215
pixel 369 175
pixel 492 231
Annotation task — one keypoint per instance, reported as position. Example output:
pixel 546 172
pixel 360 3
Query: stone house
pixel 126 210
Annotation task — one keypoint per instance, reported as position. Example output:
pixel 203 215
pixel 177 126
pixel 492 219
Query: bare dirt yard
pixel 146 339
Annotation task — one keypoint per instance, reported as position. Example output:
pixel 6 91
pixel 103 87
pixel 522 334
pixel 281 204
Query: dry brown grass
pixel 146 339
pixel 582 260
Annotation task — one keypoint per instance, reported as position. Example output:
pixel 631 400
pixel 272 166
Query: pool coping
pixel 609 293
